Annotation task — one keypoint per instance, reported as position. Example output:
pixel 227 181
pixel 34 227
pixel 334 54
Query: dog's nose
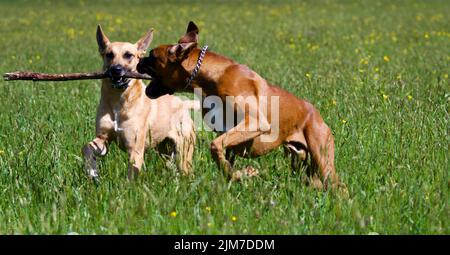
pixel 116 70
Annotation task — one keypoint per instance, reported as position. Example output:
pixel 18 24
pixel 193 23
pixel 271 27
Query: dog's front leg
pixel 136 156
pixel 92 150
pixel 230 138
pixel 99 146
pixel 251 126
pixel 239 134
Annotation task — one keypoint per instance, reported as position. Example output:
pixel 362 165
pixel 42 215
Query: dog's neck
pixel 211 70
pixel 123 98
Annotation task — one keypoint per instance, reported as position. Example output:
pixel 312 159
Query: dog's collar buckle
pixel 197 66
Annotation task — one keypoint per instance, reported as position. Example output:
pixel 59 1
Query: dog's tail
pixel 192 104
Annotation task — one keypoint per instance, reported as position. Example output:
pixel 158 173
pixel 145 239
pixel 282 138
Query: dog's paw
pixel 92 174
pixel 247 172
pixel 251 171
pixel 96 180
pixel 342 190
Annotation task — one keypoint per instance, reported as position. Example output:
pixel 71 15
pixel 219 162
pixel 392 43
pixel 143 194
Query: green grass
pixel 389 118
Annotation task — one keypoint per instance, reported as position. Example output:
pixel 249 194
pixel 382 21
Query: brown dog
pixel 300 127
pixel 137 122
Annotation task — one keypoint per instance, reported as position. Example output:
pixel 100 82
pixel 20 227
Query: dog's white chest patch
pixel 116 122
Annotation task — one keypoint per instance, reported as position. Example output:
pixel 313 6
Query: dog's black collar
pixel 197 66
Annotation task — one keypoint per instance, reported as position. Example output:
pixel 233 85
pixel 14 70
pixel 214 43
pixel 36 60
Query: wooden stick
pixel 68 76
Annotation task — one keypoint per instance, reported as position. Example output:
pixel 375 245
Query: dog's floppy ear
pixel 186 43
pixel 102 40
pixel 145 41
pixel 180 51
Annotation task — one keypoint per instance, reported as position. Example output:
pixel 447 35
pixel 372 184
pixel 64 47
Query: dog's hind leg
pixel 168 150
pixel 185 152
pixel 92 150
pixel 298 153
pixel 178 152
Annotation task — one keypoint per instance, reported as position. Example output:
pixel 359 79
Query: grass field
pixel 376 70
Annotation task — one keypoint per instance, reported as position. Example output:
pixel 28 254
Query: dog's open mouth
pixel 119 82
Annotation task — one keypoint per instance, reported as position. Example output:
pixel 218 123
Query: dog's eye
pixel 109 55
pixel 128 55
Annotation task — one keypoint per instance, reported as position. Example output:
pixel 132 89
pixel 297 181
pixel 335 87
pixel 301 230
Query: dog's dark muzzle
pixel 144 66
pixel 155 90
pixel 116 73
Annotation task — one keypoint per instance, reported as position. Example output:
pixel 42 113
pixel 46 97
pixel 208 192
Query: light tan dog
pixel 300 128
pixel 126 115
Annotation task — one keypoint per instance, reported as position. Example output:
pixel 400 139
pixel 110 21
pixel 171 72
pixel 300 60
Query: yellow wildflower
pixel 386 58
pixel 173 214
pixel 409 97
pixel 314 47
pixel 233 218
pixel 308 75
pixel 98 16
pixel 385 97
pixel 71 33
pixel 208 209
pixel 364 61
pixel 344 121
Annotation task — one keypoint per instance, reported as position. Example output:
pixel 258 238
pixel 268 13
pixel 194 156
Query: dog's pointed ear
pixel 191 34
pixel 144 42
pixel 186 43
pixel 102 40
